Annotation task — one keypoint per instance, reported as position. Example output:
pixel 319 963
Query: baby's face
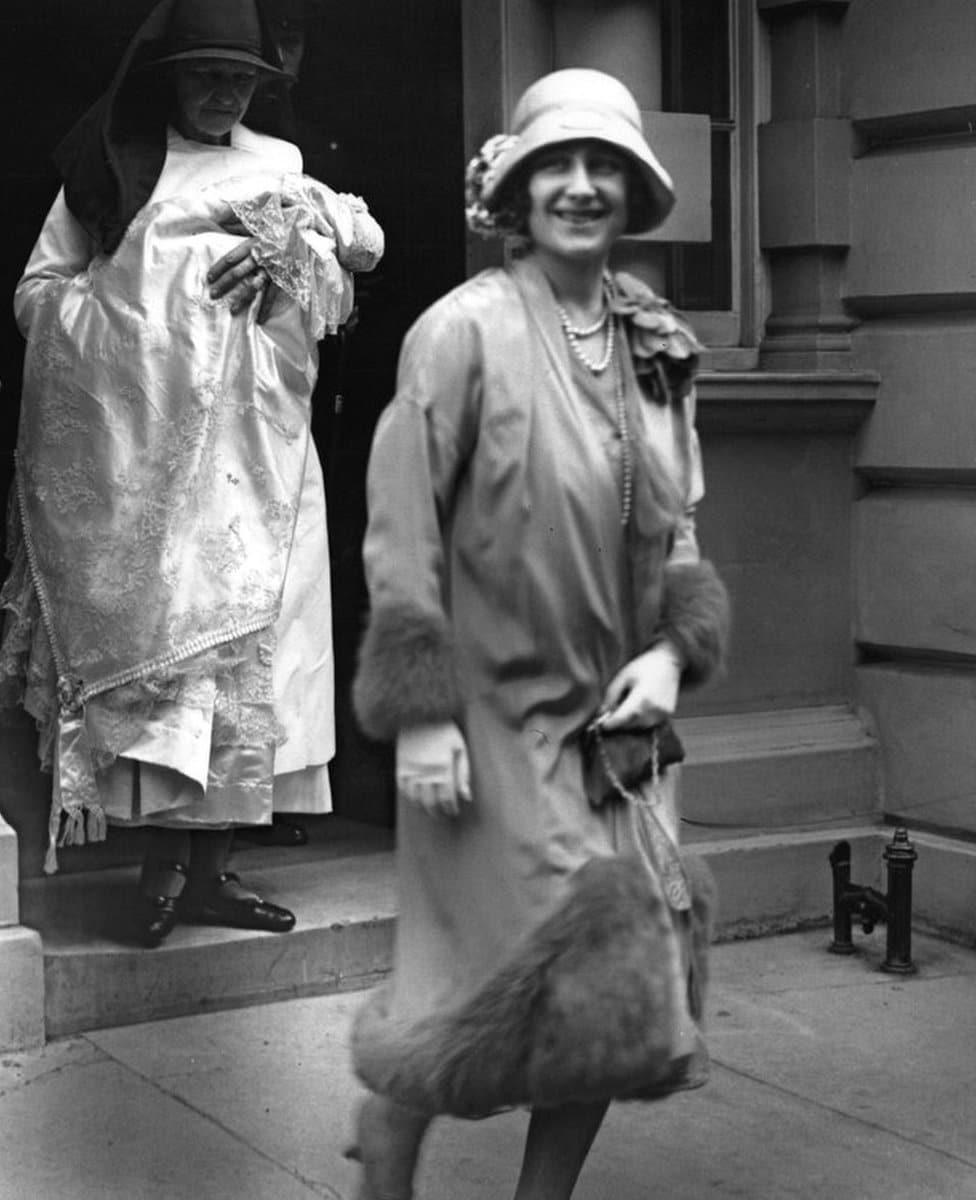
pixel 212 96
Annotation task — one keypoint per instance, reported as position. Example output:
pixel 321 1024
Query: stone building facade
pixel 822 245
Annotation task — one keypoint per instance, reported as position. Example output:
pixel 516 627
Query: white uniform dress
pixel 170 600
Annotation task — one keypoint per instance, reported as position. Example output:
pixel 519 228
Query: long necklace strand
pixel 626 451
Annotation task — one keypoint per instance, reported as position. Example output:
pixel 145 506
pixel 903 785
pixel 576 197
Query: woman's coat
pixel 505 594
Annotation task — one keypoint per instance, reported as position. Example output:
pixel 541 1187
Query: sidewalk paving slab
pixel 830 1079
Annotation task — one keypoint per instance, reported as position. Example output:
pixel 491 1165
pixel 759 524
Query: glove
pixel 644 691
pixel 432 767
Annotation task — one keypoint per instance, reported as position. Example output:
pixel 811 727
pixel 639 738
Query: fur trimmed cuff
pixel 583 1011
pixel 405 674
pixel 695 615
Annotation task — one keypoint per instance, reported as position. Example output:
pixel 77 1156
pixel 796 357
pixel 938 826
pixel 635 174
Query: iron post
pixel 899 856
pixel 840 865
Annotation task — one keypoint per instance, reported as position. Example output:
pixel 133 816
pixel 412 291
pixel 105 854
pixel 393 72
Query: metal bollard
pixel 871 907
pixel 840 865
pixel 900 858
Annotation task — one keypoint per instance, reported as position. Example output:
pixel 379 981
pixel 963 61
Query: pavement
pixel 830 1078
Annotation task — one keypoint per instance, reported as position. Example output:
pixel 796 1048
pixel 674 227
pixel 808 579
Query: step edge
pixel 707 753
pixel 859 832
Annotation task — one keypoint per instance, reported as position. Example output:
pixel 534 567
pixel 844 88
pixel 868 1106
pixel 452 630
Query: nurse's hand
pixel 239 277
pixel 432 768
pixel 644 691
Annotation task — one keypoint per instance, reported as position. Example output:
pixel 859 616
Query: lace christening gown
pixel 169 622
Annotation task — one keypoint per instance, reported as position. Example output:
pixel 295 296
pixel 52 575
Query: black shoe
pixel 281 832
pixel 220 906
pixel 158 914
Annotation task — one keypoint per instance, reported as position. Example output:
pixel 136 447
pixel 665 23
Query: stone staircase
pixel 750 787
pixel 340 885
pixel 766 796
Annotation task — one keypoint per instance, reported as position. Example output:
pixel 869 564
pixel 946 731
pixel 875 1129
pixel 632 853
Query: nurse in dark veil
pixel 168 622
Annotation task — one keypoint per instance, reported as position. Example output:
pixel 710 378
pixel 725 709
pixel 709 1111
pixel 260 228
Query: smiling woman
pixel 577 201
pixel 534 573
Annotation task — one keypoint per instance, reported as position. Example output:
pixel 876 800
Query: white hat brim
pixel 560 124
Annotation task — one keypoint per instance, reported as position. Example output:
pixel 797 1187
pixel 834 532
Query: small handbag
pixel 619 761
pixel 615 764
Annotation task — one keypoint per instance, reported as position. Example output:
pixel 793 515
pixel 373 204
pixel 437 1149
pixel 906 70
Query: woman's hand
pixel 644 691
pixel 432 767
pixel 240 276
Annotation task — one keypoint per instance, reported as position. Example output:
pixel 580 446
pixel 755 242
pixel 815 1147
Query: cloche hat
pixel 570 105
pixel 223 29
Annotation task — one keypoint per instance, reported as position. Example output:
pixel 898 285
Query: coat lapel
pixel 541 307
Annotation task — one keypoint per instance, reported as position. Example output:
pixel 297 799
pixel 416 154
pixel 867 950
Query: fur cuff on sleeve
pixel 406 672
pixel 695 616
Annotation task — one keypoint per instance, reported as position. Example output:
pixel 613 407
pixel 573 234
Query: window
pixel 697 79
pixel 701 74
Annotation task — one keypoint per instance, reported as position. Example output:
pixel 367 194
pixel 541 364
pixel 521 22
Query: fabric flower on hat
pixel 480 170
pixel 664 346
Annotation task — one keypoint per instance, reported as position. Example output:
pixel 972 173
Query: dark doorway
pixel 380 113
pixel 379 103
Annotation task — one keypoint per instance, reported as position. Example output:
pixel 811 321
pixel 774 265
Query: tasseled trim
pixel 406 672
pixel 695 615
pixel 73 827
pixel 77 816
pixel 583 1011
pixel 97 824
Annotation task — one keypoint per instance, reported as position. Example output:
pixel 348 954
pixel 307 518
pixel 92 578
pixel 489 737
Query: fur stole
pixel 582 1011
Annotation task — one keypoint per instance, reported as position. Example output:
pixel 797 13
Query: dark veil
pixel 112 158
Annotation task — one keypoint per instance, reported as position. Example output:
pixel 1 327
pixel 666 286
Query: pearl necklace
pixel 584 331
pixel 574 333
pixel 626 451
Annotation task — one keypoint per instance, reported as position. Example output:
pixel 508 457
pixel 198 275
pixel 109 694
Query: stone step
pixel 773 882
pixel 340 886
pixel 343 892
pixel 750 778
pixel 775 770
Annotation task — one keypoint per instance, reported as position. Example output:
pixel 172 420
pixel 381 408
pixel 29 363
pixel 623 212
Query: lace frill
pixel 366 243
pixel 28 676
pixel 312 275
pixel 232 682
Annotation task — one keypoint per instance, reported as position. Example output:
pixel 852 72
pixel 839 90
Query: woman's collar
pixel 660 339
pixel 540 304
pixel 238 140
